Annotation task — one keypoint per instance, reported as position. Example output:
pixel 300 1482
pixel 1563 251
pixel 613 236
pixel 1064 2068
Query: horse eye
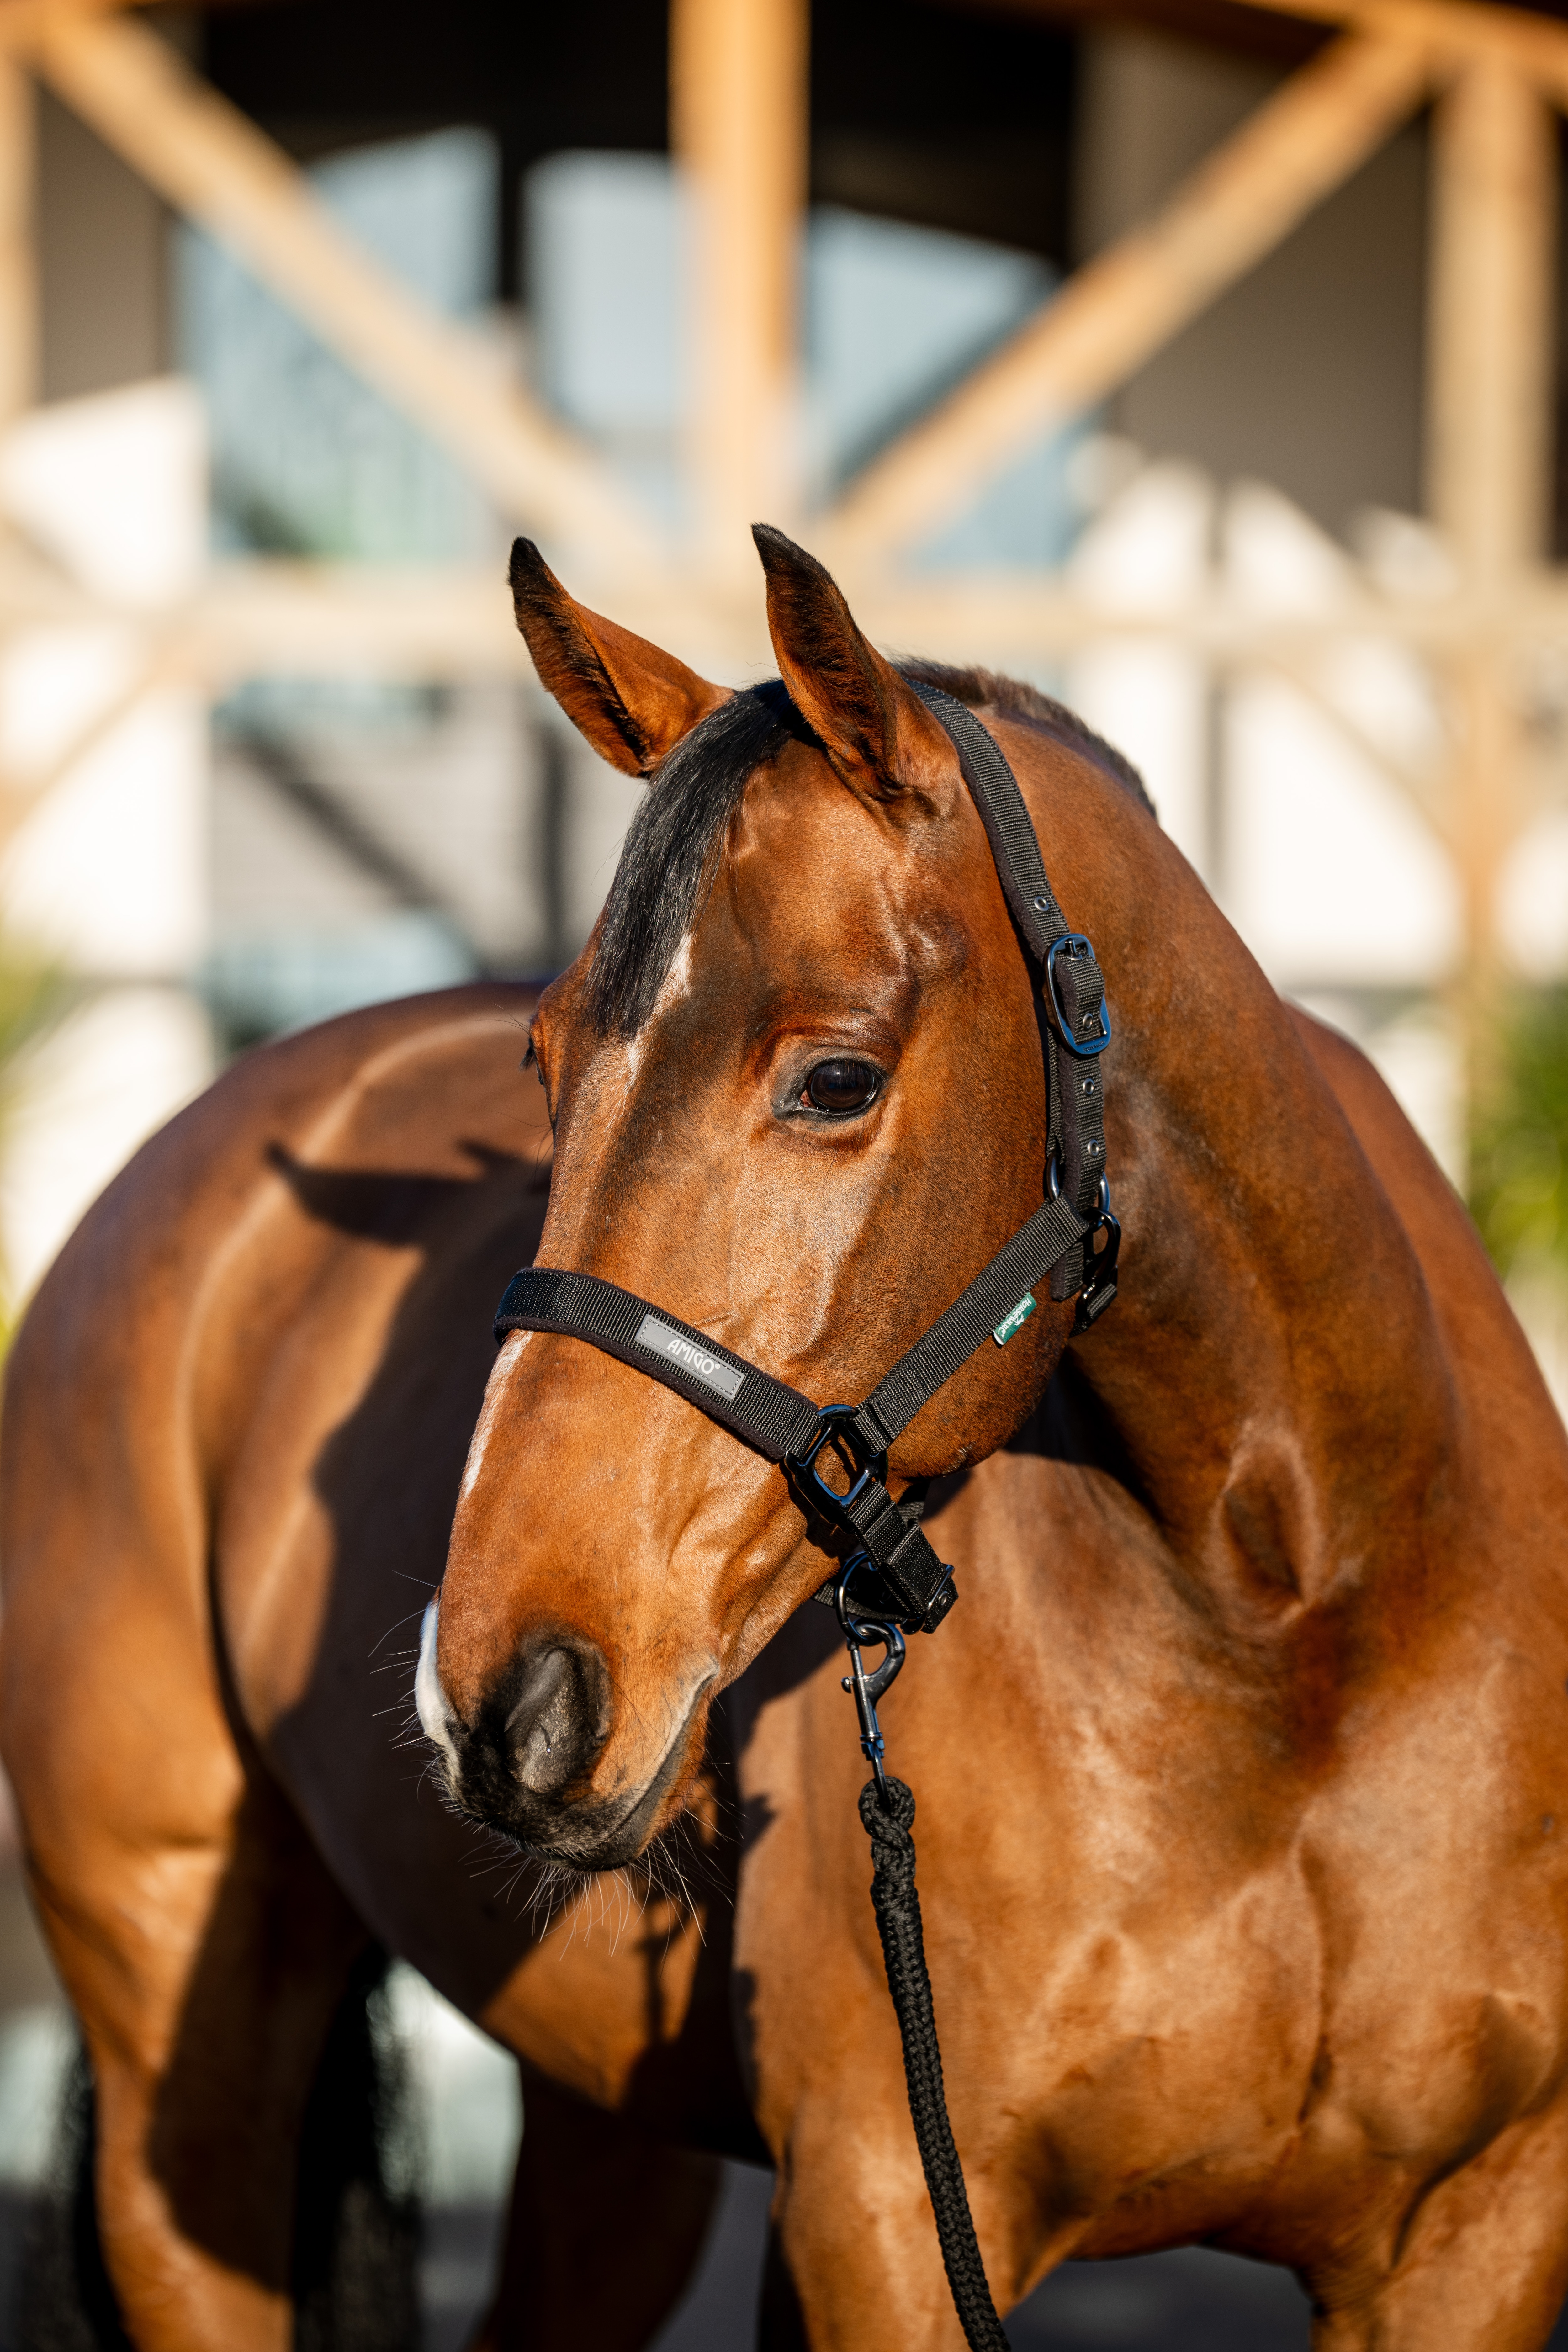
pixel 841 1086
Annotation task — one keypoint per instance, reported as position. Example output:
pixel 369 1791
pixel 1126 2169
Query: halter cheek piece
pixel 893 1583
pixel 899 1581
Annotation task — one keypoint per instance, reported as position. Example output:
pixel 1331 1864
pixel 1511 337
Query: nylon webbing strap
pixel 1009 829
pixel 911 1573
pixel 773 1417
pixel 1074 994
pixel 776 1418
pixel 973 1315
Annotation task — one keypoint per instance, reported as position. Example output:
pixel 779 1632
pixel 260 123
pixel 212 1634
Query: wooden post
pixel 740 131
pixel 19 307
pixel 1490 402
pixel 1489 396
pixel 18 272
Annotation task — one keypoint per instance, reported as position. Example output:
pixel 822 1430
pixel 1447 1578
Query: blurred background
pixel 1200 361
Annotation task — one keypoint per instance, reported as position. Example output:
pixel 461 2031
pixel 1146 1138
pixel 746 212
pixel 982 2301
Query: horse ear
pixel 876 730
pixel 633 702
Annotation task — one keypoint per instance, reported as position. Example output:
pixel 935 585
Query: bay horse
pixel 1242 1763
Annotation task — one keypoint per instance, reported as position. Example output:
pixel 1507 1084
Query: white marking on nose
pixel 429 1698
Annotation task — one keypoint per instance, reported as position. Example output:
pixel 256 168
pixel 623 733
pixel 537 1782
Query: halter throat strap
pixel 906 1582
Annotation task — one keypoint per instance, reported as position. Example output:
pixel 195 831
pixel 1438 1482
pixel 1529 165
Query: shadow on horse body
pixel 1240 1767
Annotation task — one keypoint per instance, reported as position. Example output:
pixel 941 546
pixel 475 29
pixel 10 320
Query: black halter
pixel 903 1581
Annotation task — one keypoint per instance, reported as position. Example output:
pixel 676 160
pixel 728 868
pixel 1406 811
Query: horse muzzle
pixel 525 1764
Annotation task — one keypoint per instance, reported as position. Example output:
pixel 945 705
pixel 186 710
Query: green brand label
pixel 1015 1320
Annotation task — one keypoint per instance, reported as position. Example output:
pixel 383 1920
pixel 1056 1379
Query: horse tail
pixel 357 2220
pixel 357 2215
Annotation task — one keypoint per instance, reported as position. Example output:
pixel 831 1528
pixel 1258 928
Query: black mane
pixel 673 843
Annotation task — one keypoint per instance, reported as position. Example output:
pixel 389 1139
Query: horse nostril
pixel 552 1728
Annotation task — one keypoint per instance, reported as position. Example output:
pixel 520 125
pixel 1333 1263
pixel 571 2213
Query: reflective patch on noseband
pixel 711 1370
pixel 1015 1320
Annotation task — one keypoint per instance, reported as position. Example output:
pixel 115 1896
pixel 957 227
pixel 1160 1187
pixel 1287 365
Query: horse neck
pixel 1272 1369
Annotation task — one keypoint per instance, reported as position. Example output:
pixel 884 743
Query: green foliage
pixel 33 996
pixel 1518 1150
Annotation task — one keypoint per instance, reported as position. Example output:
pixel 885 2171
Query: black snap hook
pixel 1099 1279
pixel 866 1689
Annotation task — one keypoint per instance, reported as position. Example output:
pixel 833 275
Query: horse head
pixel 798 1095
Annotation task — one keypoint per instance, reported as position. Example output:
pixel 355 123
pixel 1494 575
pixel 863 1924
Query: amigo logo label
pixel 711 1370
pixel 1015 1320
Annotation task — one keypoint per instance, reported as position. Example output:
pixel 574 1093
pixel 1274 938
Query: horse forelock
pixel 671 850
pixel 674 843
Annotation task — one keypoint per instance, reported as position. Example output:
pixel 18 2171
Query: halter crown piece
pixel 899 1581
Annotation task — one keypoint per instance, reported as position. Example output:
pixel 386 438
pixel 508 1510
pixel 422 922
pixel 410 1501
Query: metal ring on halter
pixel 835 1429
pixel 859 1625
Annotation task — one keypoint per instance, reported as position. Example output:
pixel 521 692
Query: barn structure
pixel 1198 358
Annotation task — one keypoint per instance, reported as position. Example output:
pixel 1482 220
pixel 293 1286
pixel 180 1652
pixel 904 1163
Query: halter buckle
pixel 1078 949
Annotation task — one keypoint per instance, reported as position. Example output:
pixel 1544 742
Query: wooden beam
pixel 739 122
pixel 212 163
pixel 1009 616
pixel 266 616
pixel 1457 31
pixel 166 662
pixel 263 616
pixel 21 21
pixel 1118 311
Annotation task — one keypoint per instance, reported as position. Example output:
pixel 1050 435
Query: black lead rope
pixel 887 1814
pixel 887 1811
pixel 893 1582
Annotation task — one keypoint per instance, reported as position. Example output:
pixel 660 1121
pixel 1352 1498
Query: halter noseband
pixel 903 1584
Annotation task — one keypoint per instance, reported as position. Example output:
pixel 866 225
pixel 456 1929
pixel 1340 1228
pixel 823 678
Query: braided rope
pixel 897 1908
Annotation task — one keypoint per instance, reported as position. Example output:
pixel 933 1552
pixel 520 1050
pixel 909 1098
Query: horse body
pixel 1239 1768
